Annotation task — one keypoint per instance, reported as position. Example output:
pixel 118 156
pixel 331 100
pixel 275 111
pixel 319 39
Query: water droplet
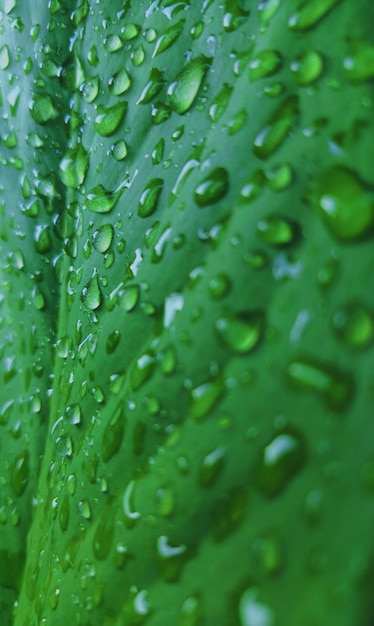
pixel 130 31
pixel 142 370
pixel 149 198
pixel 183 91
pixel 73 167
pixel 113 43
pixel 102 238
pixel 254 613
pixel 91 294
pixel 73 414
pixel 307 67
pixel 84 509
pixel 138 56
pixel 253 187
pixel 171 559
pixel 205 398
pixel 153 86
pixel 168 37
pixel 220 102
pixel 276 231
pixel 213 188
pixel 20 472
pixel 160 113
pixel 313 506
pixel 129 298
pixel 277 129
pixel 190 612
pixel 119 150
pixel 234 15
pixel 64 515
pixel 243 331
pixel 359 63
pixel 99 200
pixel 228 512
pixel 264 63
pixel 268 8
pixel 168 361
pixel 158 152
pixel 108 119
pixel 336 387
pixel 345 202
pixel 279 462
pixel 128 507
pixel 42 109
pixel 354 325
pixel 119 83
pixel 104 533
pixel 267 553
pixel 89 89
pixel 219 286
pixel 309 13
pixel 211 467
pixel 279 178
pixel 4 57
pixel 165 499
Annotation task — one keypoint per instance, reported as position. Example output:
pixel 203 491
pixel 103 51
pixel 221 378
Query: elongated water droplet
pixel 220 102
pixel 119 83
pixel 142 370
pixel 171 558
pixel 113 340
pixel 309 13
pixel 243 331
pixel 20 472
pixel 211 466
pixel 73 167
pixel 113 435
pixel 279 462
pixel 91 294
pixel 89 89
pixel 234 15
pixel 345 202
pixel 253 612
pixel 153 86
pixel 168 37
pixel 99 200
pixel 108 119
pixel 212 188
pixel 335 387
pixel 183 91
pixel 149 198
pixel 104 533
pixel 277 129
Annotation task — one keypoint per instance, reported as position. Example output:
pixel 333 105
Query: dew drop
pixel 73 167
pixel 345 202
pixel 309 13
pixel 20 472
pixel 150 196
pixel 102 238
pixel 153 86
pixel 220 102
pixel 211 466
pixel 99 200
pixel 243 331
pixel 359 63
pixel 104 533
pixel 142 370
pixel 205 398
pixel 42 109
pixel 276 231
pixel 168 37
pixel 183 91
pixel 89 89
pixel 277 129
pixel 279 462
pixel 264 63
pixel 119 83
pixel 171 559
pixel 354 325
pixel 307 67
pixel 108 119
pixel 213 188
pixel 91 294
pixel 254 613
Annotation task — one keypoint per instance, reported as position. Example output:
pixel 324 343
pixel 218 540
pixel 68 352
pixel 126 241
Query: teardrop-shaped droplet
pixel 108 119
pixel 168 37
pixel 113 435
pixel 102 238
pixel 153 86
pixel 359 62
pixel 142 370
pixel 212 466
pixel 183 91
pixel 243 331
pixel 276 231
pixel 204 398
pixel 73 167
pixel 309 13
pixel 91 294
pixel 104 533
pixel 264 63
pixel 149 198
pixel 119 83
pixel 334 386
pixel 234 15
pixel 354 325
pixel 279 462
pixel 99 200
pixel 345 202
pixel 212 188
pixel 277 129
pixel 42 109
pixel 20 473
pixel 307 67
pixel 220 102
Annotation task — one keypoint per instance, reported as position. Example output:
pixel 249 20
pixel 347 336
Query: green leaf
pixel 186 318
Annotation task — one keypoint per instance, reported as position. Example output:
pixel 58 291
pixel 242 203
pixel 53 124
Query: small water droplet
pixel 220 102
pixel 254 613
pixel 277 231
pixel 309 13
pixel 335 387
pixel 183 91
pixel 279 462
pixel 359 63
pixel 119 83
pixel 354 325
pixel 153 86
pixel 142 370
pixel 307 67
pixel 205 398
pixel 84 509
pixel 171 558
pixel 104 533
pixel 264 63
pixel 20 473
pixel 102 238
pixel 91 294
pixel 99 200
pixel 211 466
pixel 277 129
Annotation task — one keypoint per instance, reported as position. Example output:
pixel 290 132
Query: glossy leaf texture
pixel 187 319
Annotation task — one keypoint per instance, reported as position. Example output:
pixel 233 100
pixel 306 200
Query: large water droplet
pixel 309 13
pixel 153 86
pixel 119 83
pixel 279 462
pixel 183 91
pixel 42 109
pixel 168 37
pixel 91 294
pixel 277 129
pixel 99 200
pixel 254 613
pixel 243 331
pixel 213 188
pixel 108 119
pixel 149 198
pixel 73 167
pixel 307 67
pixel 264 63
pixel 345 202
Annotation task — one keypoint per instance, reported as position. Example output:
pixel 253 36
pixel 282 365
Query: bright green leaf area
pixel 186 313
